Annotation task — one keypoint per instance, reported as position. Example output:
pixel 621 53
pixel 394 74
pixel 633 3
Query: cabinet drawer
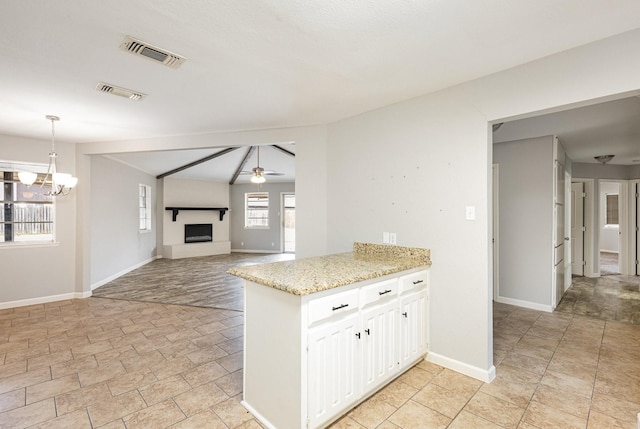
pixel 413 282
pixel 379 291
pixel 323 308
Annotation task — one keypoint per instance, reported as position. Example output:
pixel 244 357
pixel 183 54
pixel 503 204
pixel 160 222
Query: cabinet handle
pixel 385 292
pixel 339 307
pixel 367 331
pixel 358 335
pixel 417 281
pixel 405 314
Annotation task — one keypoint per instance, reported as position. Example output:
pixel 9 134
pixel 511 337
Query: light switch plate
pixel 385 238
pixel 392 238
pixel 470 212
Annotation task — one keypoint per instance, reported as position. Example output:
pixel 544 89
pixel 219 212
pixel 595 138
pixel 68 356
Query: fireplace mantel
pixel 176 210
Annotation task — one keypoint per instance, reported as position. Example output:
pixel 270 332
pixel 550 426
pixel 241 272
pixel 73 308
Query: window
pixel 256 210
pixel 612 209
pixel 26 212
pixel 144 203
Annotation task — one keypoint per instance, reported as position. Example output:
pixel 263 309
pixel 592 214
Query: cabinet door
pixel 380 344
pixel 333 372
pixel 413 327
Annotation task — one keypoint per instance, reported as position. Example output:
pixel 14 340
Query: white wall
pixel 411 168
pixel 194 193
pixel 525 221
pixel 266 240
pixel 117 246
pixel 32 274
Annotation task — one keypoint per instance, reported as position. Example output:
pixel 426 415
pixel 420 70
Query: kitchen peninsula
pixel 322 334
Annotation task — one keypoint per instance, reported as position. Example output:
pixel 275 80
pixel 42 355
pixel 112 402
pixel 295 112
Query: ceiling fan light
pixel 258 178
pixel 27 177
pixel 603 158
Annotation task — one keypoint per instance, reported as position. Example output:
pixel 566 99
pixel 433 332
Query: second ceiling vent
pixel 143 49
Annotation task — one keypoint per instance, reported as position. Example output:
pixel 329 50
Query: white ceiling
pixel 600 129
pixel 263 64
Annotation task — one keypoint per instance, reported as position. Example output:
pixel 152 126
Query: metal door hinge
pixel 584 263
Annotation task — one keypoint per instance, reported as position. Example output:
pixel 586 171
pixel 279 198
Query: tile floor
pixel 107 363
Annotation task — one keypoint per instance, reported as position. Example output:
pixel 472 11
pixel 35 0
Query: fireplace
pixel 198 233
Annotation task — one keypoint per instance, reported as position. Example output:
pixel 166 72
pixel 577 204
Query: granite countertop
pixel 310 275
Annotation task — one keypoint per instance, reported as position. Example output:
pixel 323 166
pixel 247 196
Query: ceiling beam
pixel 284 150
pixel 242 164
pixel 194 163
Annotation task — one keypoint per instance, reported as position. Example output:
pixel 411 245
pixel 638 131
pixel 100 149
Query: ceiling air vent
pixel 117 90
pixel 138 47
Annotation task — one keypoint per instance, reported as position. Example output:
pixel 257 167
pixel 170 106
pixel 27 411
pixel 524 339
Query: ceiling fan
pixel 258 173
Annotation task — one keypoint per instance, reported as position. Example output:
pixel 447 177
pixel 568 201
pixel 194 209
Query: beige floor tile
pixel 529 363
pixel 131 380
pixel 416 416
pixel 143 361
pixel 518 393
pixel 160 415
pixel 28 415
pixel 75 420
pixel 164 389
pixel 616 408
pixel 495 410
pixel 232 362
pixel 457 382
pixel 542 416
pixel 25 379
pixel 115 408
pixel 444 401
pixel 168 368
pixel 601 421
pixel 231 412
pixel 388 425
pixel 14 368
pixel 76 365
pixel 82 398
pixel 102 373
pixel 346 422
pixel 199 399
pixel 91 349
pixel 29 353
pixel 396 393
pixel 207 354
pixel 204 373
pixel 51 388
pixel 466 420
pixel 231 384
pixel 568 383
pixel 372 413
pixel 563 401
pixel 11 400
pixel 206 419
pixel 618 385
pixel 178 348
pixel 118 353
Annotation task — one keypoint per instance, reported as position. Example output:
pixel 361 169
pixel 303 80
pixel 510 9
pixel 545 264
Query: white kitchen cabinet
pixel 380 344
pixel 311 358
pixel 334 368
pixel 413 338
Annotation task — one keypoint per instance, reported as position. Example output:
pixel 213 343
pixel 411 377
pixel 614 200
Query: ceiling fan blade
pixel 272 173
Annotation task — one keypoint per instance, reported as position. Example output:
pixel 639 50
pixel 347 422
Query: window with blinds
pixel 256 214
pixel 612 209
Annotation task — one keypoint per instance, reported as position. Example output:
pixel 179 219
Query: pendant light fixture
pixel 61 183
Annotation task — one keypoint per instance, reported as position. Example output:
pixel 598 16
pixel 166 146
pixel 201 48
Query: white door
pixel 413 324
pixel 333 375
pixel 567 229
pixel 379 327
pixel 494 241
pixel 577 228
pixel 558 235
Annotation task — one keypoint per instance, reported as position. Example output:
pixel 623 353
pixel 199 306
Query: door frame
pixel 592 264
pixel 282 228
pixel 624 225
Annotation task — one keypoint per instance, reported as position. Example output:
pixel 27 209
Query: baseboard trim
pixel 486 375
pixel 257 415
pixel 122 273
pixel 524 304
pixel 254 251
pixel 44 300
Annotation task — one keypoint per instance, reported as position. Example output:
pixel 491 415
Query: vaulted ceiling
pixel 262 64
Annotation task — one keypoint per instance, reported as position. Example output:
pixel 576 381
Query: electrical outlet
pixel 385 238
pixel 392 238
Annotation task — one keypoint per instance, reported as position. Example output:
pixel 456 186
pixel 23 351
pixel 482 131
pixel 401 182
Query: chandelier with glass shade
pixel 61 183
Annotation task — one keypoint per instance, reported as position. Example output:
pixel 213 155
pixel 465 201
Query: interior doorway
pixel 610 248
pixel 288 222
